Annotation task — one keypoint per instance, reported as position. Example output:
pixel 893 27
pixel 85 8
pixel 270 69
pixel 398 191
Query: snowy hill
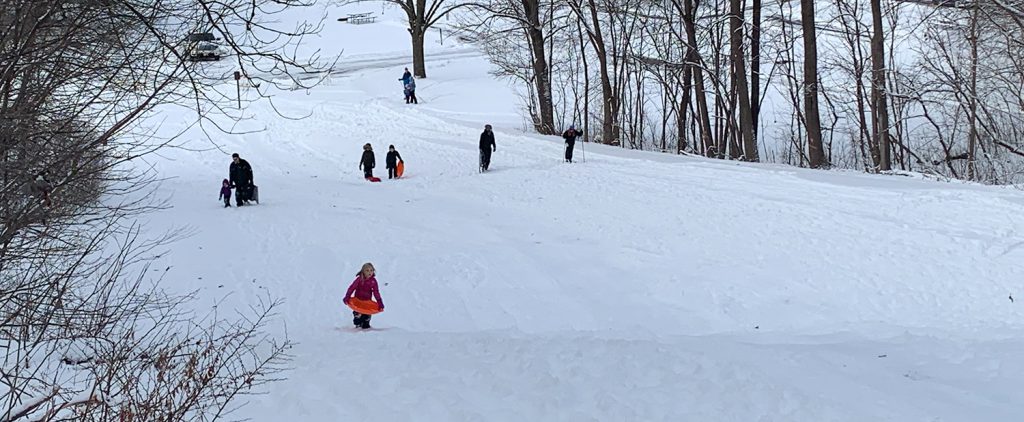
pixel 634 286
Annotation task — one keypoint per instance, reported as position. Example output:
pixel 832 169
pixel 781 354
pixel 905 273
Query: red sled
pixel 373 179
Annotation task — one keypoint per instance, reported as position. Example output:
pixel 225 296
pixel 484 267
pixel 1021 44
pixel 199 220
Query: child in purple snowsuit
pixel 225 192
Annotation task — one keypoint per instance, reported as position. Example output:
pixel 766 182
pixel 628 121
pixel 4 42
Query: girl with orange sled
pixel 365 289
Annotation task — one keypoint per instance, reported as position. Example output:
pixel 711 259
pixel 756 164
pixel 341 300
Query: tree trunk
pixel 586 83
pixel 683 108
pixel 746 128
pixel 815 149
pixel 609 104
pixel 541 73
pixel 880 109
pixel 419 67
pixel 693 61
pixel 755 66
pixel 972 101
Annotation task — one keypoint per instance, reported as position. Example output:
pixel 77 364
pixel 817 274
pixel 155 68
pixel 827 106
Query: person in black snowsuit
pixel 570 142
pixel 240 175
pixel 368 162
pixel 487 146
pixel 391 161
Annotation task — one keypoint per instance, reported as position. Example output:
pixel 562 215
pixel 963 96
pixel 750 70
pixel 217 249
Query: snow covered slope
pixel 635 286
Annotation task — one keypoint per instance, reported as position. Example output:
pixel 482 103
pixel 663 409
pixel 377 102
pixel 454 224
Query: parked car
pixel 203 47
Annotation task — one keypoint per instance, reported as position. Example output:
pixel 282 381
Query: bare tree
pixel 588 14
pixel 739 75
pixel 815 149
pixel 423 15
pixel 880 148
pixel 504 28
pixel 85 334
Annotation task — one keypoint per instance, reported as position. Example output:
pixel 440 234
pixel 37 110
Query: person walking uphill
pixel 225 192
pixel 570 142
pixel 487 146
pixel 408 86
pixel 361 292
pixel 240 175
pixel 368 162
pixel 392 160
pixel 410 92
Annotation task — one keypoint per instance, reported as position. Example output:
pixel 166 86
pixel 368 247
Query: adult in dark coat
pixel 240 175
pixel 368 162
pixel 487 146
pixel 570 142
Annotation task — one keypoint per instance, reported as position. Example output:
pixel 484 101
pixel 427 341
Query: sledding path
pixel 635 286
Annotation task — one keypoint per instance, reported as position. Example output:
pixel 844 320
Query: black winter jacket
pixel 368 160
pixel 570 136
pixel 240 173
pixel 392 159
pixel 487 141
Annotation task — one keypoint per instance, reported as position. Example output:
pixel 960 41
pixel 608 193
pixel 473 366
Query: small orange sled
pixel 399 169
pixel 367 307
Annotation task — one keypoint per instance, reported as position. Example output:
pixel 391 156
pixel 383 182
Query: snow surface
pixel 634 286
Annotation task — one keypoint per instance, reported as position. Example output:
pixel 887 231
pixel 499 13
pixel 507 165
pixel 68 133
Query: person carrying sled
pixel 487 146
pixel 570 136
pixel 362 291
pixel 240 175
pixel 368 162
pixel 392 160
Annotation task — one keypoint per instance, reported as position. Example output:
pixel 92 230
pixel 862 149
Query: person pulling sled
pixel 368 162
pixel 240 175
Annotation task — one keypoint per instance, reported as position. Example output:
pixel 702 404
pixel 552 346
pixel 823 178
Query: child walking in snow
pixel 225 192
pixel 368 162
pixel 392 160
pixel 364 288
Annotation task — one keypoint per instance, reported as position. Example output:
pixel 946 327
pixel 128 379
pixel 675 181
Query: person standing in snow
pixel 392 160
pixel 410 92
pixel 240 175
pixel 364 289
pixel 487 146
pixel 368 162
pixel 225 192
pixel 570 142
pixel 406 79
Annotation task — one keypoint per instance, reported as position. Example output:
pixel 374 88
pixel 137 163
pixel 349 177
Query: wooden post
pixel 238 87
pixel 441 33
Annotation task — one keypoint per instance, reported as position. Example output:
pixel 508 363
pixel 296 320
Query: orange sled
pixel 367 307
